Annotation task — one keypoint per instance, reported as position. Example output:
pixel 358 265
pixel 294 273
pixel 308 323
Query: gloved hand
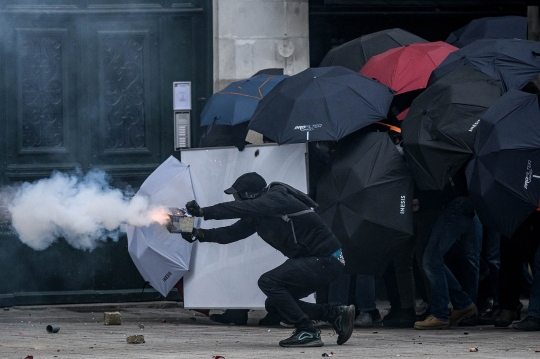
pixel 196 234
pixel 194 209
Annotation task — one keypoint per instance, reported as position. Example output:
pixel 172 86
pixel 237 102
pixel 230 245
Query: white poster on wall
pixel 225 276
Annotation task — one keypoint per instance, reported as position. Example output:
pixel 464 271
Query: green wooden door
pixel 88 84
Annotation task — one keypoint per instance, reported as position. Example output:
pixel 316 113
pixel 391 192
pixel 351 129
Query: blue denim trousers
pixel 455 223
pixel 534 300
pixel 466 260
pixel 364 293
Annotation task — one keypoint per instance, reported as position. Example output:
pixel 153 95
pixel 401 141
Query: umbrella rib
pixel 260 87
pixel 238 94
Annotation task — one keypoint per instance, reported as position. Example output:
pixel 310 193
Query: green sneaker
pixel 303 338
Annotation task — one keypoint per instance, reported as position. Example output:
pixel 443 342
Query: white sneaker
pixel 321 323
pixel 363 320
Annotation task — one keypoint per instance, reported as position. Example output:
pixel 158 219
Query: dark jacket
pixel 263 215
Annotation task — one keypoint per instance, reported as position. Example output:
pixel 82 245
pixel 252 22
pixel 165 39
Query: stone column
pixel 251 35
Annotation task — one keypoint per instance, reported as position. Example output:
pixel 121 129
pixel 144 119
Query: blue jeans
pixel 364 293
pixel 534 301
pixel 466 260
pixel 454 224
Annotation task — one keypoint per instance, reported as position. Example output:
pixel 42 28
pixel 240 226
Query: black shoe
pixel 529 324
pixel 270 319
pixel 471 321
pixel 236 316
pixel 303 338
pixel 343 322
pixel 400 318
pixel 506 317
pixel 375 315
pixel 488 317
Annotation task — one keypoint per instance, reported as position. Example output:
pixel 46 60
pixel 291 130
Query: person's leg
pixel 391 286
pixel 295 279
pixel 532 321
pixel 449 227
pixel 365 300
pixel 423 221
pixel 402 314
pixel 236 316
pixel 442 234
pixel 468 271
pixel 338 290
pixel 492 254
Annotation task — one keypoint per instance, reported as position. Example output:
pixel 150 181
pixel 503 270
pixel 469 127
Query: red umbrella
pixel 407 68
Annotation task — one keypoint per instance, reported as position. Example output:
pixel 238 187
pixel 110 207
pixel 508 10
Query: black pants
pixel 521 247
pixel 297 278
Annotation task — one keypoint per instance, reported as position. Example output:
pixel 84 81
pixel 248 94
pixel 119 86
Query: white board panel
pixel 225 276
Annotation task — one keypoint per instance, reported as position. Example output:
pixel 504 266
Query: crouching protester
pixel 284 218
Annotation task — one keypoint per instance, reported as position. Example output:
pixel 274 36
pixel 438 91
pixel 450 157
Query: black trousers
pixel 514 251
pixel 297 278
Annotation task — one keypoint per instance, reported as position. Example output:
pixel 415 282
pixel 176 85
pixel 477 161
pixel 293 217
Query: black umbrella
pixel 439 130
pixel 504 174
pixel 225 135
pixel 500 27
pixel 514 62
pixel 354 54
pixel 366 199
pixel 270 71
pixel 320 104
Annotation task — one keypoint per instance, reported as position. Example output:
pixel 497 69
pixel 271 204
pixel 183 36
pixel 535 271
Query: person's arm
pixel 241 229
pixel 274 202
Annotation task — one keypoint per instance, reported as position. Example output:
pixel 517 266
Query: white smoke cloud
pixel 82 209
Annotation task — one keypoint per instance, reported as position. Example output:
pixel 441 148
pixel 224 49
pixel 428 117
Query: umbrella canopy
pixel 320 104
pixel 237 102
pixel 271 71
pixel 225 135
pixel 501 27
pixel 354 54
pixel 161 257
pixel 513 62
pixel 407 68
pixel 504 175
pixel 439 130
pixel 366 199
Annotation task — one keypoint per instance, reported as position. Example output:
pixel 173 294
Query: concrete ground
pixel 173 332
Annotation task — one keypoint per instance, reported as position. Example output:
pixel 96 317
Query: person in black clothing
pixel 281 216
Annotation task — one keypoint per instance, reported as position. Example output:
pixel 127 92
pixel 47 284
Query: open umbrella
pixel 355 53
pixel 407 68
pixel 320 104
pixel 366 199
pixel 514 62
pixel 500 27
pixel 504 174
pixel 439 130
pixel 161 257
pixel 237 102
pixel 270 71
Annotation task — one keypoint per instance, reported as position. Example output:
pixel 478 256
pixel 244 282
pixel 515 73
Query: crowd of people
pixel 453 272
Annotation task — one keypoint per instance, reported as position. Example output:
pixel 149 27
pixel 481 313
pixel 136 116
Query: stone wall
pixel 251 35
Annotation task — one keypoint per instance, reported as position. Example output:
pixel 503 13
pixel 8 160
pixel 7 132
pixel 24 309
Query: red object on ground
pixel 407 68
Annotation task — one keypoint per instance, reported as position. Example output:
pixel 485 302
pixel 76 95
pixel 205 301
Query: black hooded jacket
pixel 263 215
